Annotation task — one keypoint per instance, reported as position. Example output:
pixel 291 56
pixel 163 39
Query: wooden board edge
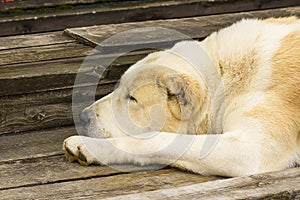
pixel 86 35
pixel 277 185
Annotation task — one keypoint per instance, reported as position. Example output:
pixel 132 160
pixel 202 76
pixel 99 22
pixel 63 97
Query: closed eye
pixel 131 98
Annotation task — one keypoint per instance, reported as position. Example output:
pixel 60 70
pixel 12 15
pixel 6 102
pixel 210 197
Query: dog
pixel 228 105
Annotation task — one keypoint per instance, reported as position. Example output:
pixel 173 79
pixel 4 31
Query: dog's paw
pixel 75 150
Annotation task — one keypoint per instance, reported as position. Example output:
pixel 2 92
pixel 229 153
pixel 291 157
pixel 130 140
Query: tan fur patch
pixel 286 70
pixel 285 85
pixel 237 73
pixel 280 116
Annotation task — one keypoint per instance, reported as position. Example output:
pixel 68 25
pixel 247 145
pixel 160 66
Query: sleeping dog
pixel 228 105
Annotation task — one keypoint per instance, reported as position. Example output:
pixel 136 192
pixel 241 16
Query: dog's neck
pixel 212 112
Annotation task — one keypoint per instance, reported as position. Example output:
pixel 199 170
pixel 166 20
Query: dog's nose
pixel 84 118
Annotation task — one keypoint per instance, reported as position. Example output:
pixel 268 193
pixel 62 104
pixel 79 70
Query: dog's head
pixel 162 92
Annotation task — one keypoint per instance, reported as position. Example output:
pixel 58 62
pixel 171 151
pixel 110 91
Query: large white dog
pixel 229 105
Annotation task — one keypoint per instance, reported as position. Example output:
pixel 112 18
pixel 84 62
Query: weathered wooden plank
pixel 45 109
pixel 33 40
pixel 277 185
pixel 53 169
pixel 196 27
pixel 43 53
pixel 26 4
pixel 33 144
pixel 59 20
pixel 99 188
pixel 36 117
pixel 55 96
pixel 61 74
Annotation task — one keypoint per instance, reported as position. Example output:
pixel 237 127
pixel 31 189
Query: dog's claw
pixel 69 151
pixel 74 152
pixel 81 157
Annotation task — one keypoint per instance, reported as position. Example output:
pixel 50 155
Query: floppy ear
pixel 182 93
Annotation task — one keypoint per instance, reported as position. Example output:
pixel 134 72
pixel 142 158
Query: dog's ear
pixel 182 93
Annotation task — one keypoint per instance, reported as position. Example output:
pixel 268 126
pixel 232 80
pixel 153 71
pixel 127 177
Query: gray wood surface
pixel 33 40
pixel 48 109
pixel 54 169
pixel 35 144
pixel 42 53
pixel 24 118
pixel 195 28
pixel 105 186
pixel 59 74
pixel 66 18
pixel 26 4
pixel 276 185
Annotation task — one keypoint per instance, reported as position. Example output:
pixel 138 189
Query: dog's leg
pixel 229 154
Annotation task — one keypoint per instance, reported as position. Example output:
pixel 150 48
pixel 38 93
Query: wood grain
pixel 33 40
pixel 33 144
pixel 48 109
pixel 36 117
pixel 275 185
pixel 99 188
pixel 61 74
pixel 26 4
pixel 43 53
pixel 196 27
pixel 53 169
pixel 59 20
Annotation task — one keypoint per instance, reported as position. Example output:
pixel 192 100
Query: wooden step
pixel 44 16
pixel 194 28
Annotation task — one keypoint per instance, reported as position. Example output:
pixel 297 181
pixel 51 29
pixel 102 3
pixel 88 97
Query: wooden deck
pixel 37 73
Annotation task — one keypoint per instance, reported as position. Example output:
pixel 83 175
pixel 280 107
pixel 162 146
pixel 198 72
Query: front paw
pixel 75 150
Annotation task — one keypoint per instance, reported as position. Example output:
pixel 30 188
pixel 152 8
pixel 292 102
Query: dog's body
pixel 252 119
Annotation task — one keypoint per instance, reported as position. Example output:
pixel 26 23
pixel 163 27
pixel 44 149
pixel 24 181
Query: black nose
pixel 84 118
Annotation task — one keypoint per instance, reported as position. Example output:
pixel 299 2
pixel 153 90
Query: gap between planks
pixel 55 169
